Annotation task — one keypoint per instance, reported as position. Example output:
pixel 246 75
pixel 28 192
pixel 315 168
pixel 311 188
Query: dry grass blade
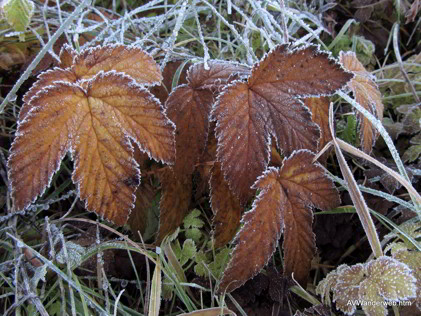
pixel 356 152
pixel 215 311
pixel 155 298
pixel 356 196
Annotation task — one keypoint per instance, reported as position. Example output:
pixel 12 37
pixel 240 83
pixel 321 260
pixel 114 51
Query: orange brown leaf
pixel 132 61
pixel 319 108
pixel 226 208
pixel 248 113
pixel 287 196
pixel 175 201
pixel 96 124
pixel 189 109
pixel 367 94
pixel 45 79
pixel 219 74
pixel 259 236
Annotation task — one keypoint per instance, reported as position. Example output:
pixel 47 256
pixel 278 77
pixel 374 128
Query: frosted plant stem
pixel 169 43
pixel 233 30
pixel 61 275
pixel 283 23
pixel 41 54
pixel 268 20
pixel 69 273
pixel 399 59
pixel 202 40
pixel 254 26
pixel 356 195
pixel 389 142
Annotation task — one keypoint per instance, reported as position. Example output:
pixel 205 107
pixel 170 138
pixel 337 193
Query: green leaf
pixel 18 14
pixel 201 260
pixel 220 262
pixel 349 132
pixel 192 223
pixel 372 285
pixel 192 220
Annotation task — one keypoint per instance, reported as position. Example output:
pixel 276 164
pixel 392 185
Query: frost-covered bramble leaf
pixel 306 186
pixel 189 109
pixel 219 74
pixel 248 113
pixel 45 79
pixel 387 279
pixel 174 203
pixel 226 208
pixel 257 239
pixel 18 14
pixel 73 68
pixel 285 203
pixel 95 124
pixel 319 108
pixel 67 55
pixel 367 94
pixel 132 61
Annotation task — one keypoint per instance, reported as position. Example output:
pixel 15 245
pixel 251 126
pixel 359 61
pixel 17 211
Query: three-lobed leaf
pixel 284 204
pixel 96 119
pixel 249 113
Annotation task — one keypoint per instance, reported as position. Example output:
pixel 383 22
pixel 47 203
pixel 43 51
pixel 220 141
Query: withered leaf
pixel 189 107
pixel 319 108
pixel 175 201
pixel 377 281
pixel 95 124
pixel 285 203
pixel 131 60
pixel 219 74
pixel 248 113
pixel 367 94
pixel 45 79
pixel 226 208
pixel 259 236
pixel 67 54
pixel 164 89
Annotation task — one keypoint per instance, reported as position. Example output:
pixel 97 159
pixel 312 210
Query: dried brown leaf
pixel 95 124
pixel 259 236
pixel 45 79
pixel 189 109
pixel 226 208
pixel 131 60
pixel 248 113
pixel 367 94
pixel 219 74
pixel 175 201
pixel 319 108
pixel 286 198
